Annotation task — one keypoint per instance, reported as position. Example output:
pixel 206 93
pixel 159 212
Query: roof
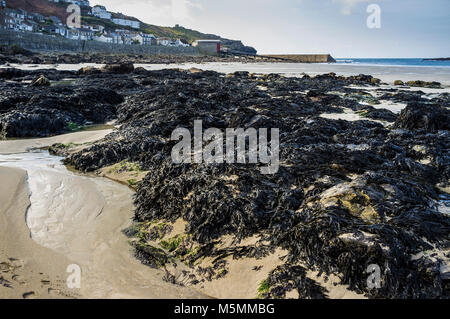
pixel 208 41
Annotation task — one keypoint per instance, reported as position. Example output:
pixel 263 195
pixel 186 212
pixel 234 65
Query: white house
pixel 100 12
pixel 179 43
pixel 126 22
pixel 163 41
pixel 145 39
pixel 104 38
pixel 81 3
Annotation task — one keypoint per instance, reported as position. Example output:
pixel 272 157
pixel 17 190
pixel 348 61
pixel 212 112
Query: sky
pixel 408 28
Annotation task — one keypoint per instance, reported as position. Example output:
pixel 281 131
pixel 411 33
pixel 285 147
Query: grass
pixel 264 288
pixel 172 243
pixel 126 166
pixel 73 126
pixel 132 182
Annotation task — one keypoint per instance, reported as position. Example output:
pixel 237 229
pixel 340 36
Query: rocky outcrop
pixel 347 195
pixel 429 117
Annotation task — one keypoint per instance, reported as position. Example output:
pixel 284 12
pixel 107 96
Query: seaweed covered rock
pixel 347 195
pixel 40 81
pixel 429 117
pixel 44 111
pixel 122 68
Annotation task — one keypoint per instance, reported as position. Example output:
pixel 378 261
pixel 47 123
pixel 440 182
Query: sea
pixel 394 62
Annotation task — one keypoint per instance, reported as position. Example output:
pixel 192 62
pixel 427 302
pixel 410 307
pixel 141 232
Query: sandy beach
pixel 52 218
pixel 303 226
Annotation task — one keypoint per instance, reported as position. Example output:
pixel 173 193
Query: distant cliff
pixel 48 8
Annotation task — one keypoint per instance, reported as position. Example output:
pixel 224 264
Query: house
pixel 208 46
pixel 163 41
pixel 145 39
pixel 28 26
pixel 95 28
pixel 81 3
pixel 181 43
pixel 55 29
pixel 55 20
pixel 13 19
pixel 117 38
pixel 104 38
pixel 15 14
pixel 37 17
pixel 86 34
pixel 121 19
pixel 100 12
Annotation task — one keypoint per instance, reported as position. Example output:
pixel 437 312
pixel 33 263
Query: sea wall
pixel 304 58
pixel 38 42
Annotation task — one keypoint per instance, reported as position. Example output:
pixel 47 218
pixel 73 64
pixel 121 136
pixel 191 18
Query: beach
pixel 52 218
pixel 111 200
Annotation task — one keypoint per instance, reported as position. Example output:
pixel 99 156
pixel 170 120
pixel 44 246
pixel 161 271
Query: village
pixel 121 29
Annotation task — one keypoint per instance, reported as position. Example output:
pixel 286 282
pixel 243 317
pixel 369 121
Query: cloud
pixel 347 6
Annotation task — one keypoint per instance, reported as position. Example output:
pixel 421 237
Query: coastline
pixel 83 230
pixel 92 148
pixel 387 73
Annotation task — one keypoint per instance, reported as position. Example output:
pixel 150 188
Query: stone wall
pixel 38 42
pixel 304 58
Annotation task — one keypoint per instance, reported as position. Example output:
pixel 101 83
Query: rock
pixel 195 70
pixel 348 194
pixel 424 84
pixel 375 81
pixel 398 82
pixel 40 81
pixel 10 73
pixel 424 116
pixel 122 68
pixel 88 70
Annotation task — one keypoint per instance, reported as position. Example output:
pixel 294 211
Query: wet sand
pixel 14 146
pixel 27 270
pixel 72 219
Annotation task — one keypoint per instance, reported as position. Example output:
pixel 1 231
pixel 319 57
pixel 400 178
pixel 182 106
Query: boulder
pixel 424 116
pixel 40 81
pixel 122 68
pixel 424 84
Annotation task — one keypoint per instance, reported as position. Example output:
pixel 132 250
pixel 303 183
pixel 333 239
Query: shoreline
pixel 103 253
pixel 386 73
pixel 180 223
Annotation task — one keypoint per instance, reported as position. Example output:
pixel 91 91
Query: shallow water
pixel 82 218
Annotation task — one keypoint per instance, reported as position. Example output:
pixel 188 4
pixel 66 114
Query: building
pixel 180 43
pixel 37 17
pixel 208 46
pixel 145 39
pixel 100 12
pixel 104 38
pixel 81 3
pixel 125 22
pixel 163 41
pixel 56 20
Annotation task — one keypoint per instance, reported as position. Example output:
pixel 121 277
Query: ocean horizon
pixel 393 62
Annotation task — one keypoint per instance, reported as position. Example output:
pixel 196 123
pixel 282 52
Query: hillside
pixel 43 7
pixel 178 32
